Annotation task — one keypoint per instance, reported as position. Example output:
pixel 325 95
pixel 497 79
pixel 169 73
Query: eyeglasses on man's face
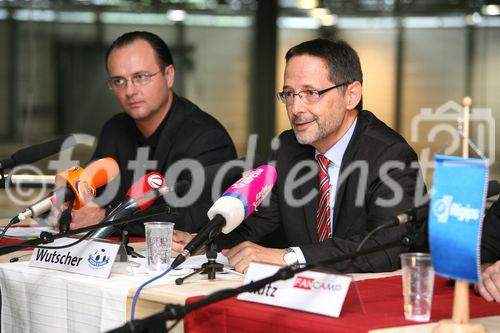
pixel 308 96
pixel 138 79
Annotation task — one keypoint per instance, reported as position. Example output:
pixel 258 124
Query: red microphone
pixel 136 192
pixel 142 194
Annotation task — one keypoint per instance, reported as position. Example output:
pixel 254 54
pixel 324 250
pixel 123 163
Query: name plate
pixel 94 258
pixel 309 291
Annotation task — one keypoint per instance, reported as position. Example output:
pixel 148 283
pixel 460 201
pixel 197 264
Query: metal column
pixel 263 86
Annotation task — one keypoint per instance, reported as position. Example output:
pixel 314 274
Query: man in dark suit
pixel 341 171
pixel 167 127
pixel 489 287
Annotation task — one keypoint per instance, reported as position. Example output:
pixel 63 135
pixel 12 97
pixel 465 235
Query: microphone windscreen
pixel 493 188
pixel 69 180
pixel 102 171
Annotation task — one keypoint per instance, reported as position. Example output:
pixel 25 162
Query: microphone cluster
pixel 80 185
pixel 237 202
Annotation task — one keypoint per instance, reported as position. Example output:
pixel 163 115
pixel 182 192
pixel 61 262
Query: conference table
pixel 40 300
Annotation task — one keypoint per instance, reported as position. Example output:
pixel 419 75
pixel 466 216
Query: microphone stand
pixel 47 237
pixel 125 241
pixel 211 267
pixel 3 179
pixel 177 311
pixel 65 218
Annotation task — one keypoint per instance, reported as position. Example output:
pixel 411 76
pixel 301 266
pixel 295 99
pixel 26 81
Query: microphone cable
pixel 138 291
pixel 15 259
pixel 50 236
pixel 371 233
pixel 13 221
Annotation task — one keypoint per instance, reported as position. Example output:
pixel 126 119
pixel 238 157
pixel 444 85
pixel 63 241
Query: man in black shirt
pixel 169 127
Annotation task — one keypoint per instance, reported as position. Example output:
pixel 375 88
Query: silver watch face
pixel 290 258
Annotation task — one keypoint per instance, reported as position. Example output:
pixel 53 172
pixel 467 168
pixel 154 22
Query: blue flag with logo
pixel 455 216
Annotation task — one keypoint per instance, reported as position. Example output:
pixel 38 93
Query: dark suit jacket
pixel 372 144
pixel 490 241
pixel 188 133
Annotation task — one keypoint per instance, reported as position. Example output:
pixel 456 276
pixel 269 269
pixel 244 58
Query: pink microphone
pixel 236 203
pixel 242 198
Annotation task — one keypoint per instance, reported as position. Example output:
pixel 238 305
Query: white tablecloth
pixel 40 300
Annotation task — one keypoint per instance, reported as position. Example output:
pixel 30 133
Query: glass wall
pixel 53 79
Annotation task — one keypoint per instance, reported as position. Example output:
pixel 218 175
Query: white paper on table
pixel 191 262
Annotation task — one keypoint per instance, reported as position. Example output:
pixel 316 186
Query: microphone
pixel 37 152
pixel 142 194
pixel 80 185
pixel 493 188
pixel 421 213
pixel 236 203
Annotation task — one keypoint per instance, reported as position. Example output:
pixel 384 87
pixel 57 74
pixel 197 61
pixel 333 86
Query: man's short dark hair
pixel 342 60
pixel 163 54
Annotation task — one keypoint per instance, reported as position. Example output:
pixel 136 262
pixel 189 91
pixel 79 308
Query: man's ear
pixel 353 95
pixel 170 75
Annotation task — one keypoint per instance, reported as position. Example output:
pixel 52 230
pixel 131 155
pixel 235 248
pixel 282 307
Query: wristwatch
pixel 290 257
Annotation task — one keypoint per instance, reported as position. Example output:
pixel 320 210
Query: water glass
pixel 418 285
pixel 159 244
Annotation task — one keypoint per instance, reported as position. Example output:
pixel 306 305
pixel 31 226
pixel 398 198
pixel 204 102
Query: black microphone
pixel 37 152
pixel 421 213
pixel 493 188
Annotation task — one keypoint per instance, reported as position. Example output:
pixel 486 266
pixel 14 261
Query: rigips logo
pixel 445 207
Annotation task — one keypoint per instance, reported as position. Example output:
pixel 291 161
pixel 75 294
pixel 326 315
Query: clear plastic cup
pixel 159 244
pixel 418 285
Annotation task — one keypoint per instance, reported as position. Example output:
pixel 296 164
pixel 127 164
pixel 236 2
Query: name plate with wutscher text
pixel 310 291
pixel 94 258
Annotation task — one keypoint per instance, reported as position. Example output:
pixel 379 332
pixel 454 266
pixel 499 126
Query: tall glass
pixel 159 244
pixel 418 285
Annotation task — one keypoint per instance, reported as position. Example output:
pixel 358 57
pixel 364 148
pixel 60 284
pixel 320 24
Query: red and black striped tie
pixel 323 214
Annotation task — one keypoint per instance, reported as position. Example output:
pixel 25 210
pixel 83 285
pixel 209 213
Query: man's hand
pixel 89 214
pixel 179 240
pixel 244 253
pixel 489 287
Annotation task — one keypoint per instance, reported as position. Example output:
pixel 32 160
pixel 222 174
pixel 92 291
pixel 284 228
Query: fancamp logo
pixel 98 259
pixel 445 207
pixel 303 282
pixel 155 181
